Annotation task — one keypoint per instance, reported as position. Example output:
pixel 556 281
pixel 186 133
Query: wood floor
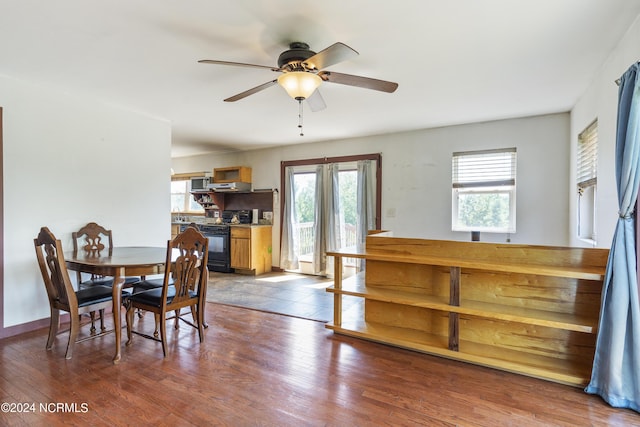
pixel 263 369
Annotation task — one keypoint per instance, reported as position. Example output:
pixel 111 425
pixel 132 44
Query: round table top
pixel 120 256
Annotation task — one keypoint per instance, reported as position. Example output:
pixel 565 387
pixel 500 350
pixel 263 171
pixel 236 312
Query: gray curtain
pixel 332 216
pixel 336 220
pixel 616 366
pixel 318 262
pixel 365 202
pixel 288 252
pixel 366 207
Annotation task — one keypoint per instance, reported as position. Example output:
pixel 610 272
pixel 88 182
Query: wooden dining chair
pixel 62 296
pixel 184 285
pixel 95 240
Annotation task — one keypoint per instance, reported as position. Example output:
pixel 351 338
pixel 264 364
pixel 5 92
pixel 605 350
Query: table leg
pixel 118 281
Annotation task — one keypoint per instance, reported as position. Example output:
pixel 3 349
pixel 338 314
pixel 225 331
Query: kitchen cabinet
pixel 232 174
pixel 251 249
pixel 526 309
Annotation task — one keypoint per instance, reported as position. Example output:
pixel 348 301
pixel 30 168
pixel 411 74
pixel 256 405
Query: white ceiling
pixel 455 61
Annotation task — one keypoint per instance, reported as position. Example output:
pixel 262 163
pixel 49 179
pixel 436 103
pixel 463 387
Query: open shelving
pixel 521 308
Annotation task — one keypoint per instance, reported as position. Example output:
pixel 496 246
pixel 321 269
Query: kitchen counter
pixel 179 223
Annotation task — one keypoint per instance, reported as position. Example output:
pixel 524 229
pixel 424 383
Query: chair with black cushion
pixel 147 284
pixel 95 240
pixel 62 296
pixel 184 285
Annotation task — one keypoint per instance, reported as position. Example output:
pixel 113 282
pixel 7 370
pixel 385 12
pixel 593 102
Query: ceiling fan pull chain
pixel 300 116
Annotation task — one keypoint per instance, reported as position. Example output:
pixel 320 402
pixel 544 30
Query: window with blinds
pixel 587 179
pixel 588 156
pixel 484 190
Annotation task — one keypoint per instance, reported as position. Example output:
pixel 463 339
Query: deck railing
pixel 306 238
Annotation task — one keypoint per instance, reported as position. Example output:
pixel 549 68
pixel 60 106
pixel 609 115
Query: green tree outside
pixel 305 196
pixel 483 210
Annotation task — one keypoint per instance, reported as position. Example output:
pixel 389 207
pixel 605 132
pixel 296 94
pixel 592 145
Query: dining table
pixel 119 262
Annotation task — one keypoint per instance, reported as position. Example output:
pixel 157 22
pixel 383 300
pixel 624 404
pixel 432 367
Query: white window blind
pixel 586 178
pixel 484 191
pixel 588 156
pixel 487 168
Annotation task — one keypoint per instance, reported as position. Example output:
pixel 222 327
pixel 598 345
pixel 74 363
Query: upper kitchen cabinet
pixel 232 174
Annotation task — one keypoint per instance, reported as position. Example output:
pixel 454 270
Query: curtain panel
pixel 318 263
pixel 616 367
pixel 288 245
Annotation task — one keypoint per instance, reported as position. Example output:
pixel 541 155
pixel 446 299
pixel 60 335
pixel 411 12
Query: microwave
pixel 200 184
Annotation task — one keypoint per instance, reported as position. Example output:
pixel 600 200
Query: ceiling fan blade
pixel 237 64
pixel 251 91
pixel 335 53
pixel 359 81
pixel 316 101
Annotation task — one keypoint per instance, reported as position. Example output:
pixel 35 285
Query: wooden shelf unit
pixel 232 174
pixel 526 309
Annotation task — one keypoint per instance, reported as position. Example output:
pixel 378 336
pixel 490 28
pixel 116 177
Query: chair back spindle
pixel 92 236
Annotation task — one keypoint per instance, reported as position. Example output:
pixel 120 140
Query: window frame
pixel 306 165
pixel 188 197
pixel 470 177
pixel 587 183
pixel 340 159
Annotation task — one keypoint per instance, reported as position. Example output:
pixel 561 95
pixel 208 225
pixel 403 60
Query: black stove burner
pixel 214 228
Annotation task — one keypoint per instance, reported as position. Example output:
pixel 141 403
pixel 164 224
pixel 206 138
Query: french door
pixel 327 204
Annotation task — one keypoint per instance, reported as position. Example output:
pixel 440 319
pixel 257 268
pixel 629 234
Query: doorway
pixel 328 204
pixel 305 207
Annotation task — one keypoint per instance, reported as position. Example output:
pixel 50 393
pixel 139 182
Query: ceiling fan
pixel 303 71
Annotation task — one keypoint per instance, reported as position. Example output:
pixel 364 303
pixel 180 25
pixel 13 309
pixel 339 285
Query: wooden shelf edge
pixel 435 345
pixel 499 312
pixel 585 273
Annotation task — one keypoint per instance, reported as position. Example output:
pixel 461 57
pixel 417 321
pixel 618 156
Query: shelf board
pixel 538 366
pixel 355 286
pixel 586 273
pixel 402 337
pixel 349 252
pixel 569 322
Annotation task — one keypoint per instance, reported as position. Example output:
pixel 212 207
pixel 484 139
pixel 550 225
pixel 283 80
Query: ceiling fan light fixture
pixel 299 84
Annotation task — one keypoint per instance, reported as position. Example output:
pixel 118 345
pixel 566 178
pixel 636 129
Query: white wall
pixel 416 175
pixel 600 101
pixel 69 161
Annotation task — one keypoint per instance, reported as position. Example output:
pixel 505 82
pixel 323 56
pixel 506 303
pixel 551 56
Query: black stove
pixel 219 236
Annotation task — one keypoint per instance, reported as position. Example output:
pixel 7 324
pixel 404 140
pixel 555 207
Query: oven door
pixel 219 252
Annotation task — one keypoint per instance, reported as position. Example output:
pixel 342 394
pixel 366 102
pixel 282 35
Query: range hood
pixel 230 186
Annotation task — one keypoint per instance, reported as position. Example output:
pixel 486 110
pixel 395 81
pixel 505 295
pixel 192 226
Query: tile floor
pixel 290 294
